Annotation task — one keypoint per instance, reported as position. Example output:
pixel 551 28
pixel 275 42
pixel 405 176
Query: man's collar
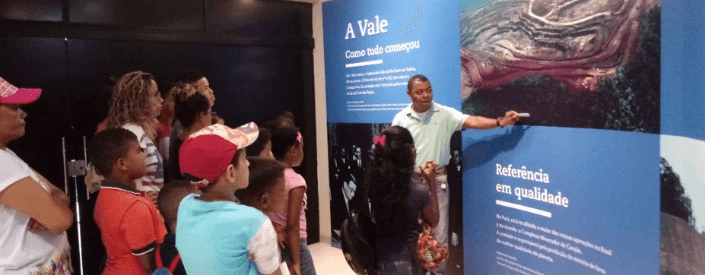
pixel 118 186
pixel 411 113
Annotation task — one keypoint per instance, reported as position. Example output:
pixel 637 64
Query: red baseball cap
pixel 206 154
pixel 13 95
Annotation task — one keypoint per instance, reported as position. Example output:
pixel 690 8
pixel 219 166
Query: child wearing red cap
pixel 214 233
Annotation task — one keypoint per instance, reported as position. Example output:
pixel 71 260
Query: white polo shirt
pixel 432 133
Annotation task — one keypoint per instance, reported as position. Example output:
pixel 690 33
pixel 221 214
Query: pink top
pixel 293 180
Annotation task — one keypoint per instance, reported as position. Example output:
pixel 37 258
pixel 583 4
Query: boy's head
pixel 169 198
pixel 262 147
pixel 116 153
pixel 200 82
pixel 287 145
pixel 267 190
pixel 215 154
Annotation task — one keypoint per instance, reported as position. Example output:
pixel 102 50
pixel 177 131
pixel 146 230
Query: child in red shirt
pixel 130 225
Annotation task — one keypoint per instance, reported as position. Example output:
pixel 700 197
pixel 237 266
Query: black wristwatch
pixel 498 124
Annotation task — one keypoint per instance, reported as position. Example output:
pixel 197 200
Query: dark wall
pixel 257 55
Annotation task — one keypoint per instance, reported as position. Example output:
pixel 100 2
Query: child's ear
pixel 291 152
pixel 230 173
pixel 205 119
pixel 264 201
pixel 121 164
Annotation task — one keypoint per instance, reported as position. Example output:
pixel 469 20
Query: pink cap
pixel 13 95
pixel 206 154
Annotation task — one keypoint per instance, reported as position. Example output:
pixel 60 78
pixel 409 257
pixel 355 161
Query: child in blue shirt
pixel 214 233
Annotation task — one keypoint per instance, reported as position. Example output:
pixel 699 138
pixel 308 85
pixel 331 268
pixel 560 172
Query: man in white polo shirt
pixel 432 125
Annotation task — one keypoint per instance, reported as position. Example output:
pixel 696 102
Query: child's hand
pixel 429 170
pixel 295 269
pixel 153 196
pixel 281 235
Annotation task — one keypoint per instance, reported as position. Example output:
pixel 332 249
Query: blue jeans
pixel 396 268
pixel 307 267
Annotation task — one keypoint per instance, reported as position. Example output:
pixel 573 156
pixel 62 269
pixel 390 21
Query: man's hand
pixel 510 117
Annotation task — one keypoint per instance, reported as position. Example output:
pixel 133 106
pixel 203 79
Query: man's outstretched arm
pixel 479 122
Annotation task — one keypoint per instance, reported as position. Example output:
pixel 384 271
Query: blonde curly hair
pixel 131 102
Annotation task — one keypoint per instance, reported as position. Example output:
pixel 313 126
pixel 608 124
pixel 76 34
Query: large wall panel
pixel 259 18
pixel 35 10
pixel 157 14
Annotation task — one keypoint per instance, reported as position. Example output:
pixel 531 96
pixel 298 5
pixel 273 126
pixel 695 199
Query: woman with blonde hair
pixel 136 103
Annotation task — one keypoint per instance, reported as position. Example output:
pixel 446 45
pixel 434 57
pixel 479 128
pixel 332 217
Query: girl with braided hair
pixel 136 103
pixel 396 202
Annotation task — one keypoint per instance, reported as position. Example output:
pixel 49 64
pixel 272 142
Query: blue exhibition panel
pixel 560 201
pixel 372 48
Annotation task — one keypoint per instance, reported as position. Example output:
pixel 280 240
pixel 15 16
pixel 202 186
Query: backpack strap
pixel 158 256
pixel 174 262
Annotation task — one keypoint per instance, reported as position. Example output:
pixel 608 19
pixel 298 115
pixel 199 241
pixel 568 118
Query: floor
pixel 329 260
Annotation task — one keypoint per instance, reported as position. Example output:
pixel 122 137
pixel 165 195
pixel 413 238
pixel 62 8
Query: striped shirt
pixel 154 180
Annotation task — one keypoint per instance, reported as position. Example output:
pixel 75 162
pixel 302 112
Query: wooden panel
pixel 157 14
pixel 34 10
pixel 81 31
pixel 259 18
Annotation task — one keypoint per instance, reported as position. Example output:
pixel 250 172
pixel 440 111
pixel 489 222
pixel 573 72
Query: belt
pixel 439 172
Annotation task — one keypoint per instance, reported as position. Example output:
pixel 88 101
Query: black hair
pixel 285 118
pixel 170 196
pixel 103 102
pixel 108 146
pixel 269 125
pixel 188 110
pixel 418 77
pixel 190 77
pixel 283 138
pixel 236 157
pixel 165 90
pixel 388 181
pixel 256 147
pixel 264 174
